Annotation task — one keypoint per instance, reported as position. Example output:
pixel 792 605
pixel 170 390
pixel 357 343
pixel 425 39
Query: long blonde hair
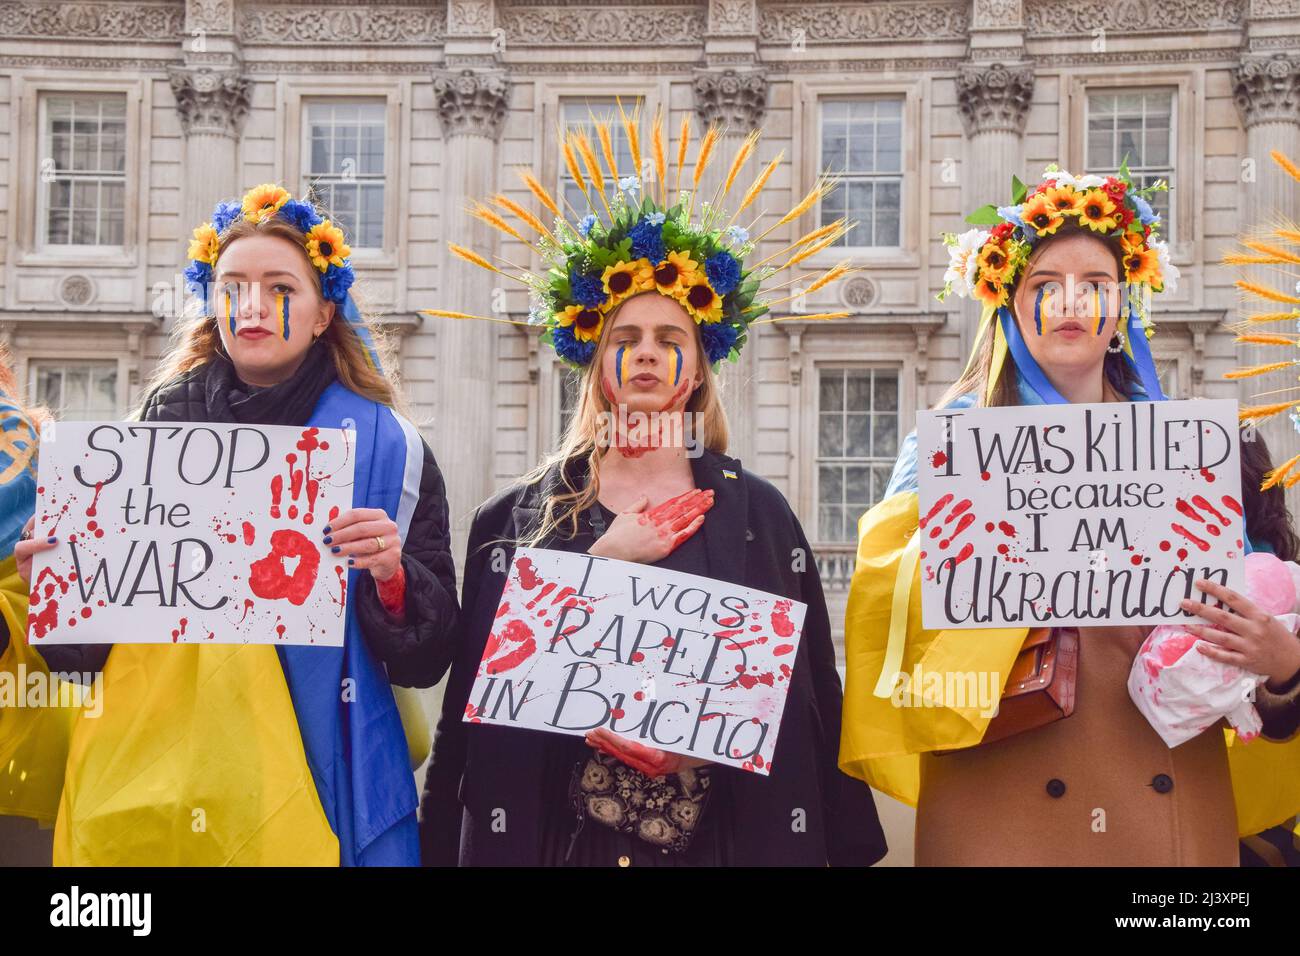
pixel 1117 372
pixel 10 388
pixel 580 439
pixel 195 340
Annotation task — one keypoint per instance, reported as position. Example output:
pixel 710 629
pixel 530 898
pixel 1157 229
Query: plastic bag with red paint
pixel 1183 693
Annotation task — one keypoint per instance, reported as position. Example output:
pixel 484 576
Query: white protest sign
pixel 674 661
pixel 175 532
pixel 1092 514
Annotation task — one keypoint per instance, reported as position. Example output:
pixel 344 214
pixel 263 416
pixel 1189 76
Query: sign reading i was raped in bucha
pixel 1090 514
pixel 673 661
pixel 188 533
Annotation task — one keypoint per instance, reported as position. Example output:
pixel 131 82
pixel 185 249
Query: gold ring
pixel 379 543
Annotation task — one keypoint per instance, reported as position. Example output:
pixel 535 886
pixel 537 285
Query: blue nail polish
pixel 351 561
pixel 335 549
pixel 325 530
pixel 328 539
pixel 52 539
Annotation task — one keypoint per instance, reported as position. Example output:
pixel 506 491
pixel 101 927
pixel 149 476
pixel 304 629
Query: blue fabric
pixel 17 482
pixel 356 747
pixel 358 324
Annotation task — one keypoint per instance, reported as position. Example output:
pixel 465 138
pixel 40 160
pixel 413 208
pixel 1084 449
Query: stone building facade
pixel 122 123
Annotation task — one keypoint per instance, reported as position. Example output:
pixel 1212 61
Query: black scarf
pixel 291 402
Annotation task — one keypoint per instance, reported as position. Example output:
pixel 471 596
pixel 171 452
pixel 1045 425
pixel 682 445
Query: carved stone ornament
pixel 212 101
pixel 472 102
pixel 1267 89
pixel 992 97
pixel 731 98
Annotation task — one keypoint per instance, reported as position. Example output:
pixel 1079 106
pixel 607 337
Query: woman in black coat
pixel 501 796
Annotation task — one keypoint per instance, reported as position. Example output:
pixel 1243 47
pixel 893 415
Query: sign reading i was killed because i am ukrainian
pixel 673 661
pixel 188 533
pixel 1091 514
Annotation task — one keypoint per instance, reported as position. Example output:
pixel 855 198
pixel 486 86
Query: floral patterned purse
pixel 662 811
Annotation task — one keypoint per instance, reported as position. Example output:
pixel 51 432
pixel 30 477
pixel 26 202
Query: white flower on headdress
pixel 538 314
pixel 1062 178
pixel 629 184
pixel 1168 271
pixel 962 260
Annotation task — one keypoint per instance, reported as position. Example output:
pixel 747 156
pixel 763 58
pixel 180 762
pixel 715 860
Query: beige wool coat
pixel 1098 788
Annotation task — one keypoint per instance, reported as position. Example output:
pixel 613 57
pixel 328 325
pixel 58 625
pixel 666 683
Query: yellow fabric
pixel 1265 782
pixel 196 760
pixel 999 354
pixel 880 742
pixel 415 724
pixel 33 739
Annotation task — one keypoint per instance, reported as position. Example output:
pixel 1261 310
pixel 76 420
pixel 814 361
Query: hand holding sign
pixel 650 536
pixel 649 760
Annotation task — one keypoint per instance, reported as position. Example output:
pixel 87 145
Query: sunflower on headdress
pixel 325 245
pixel 1098 212
pixel 206 244
pixel 1142 264
pixel 675 274
pixel 622 280
pixel 264 201
pixel 1041 214
pixel 701 301
pixel 583 321
pixel 995 261
pixel 990 292
pixel 1064 199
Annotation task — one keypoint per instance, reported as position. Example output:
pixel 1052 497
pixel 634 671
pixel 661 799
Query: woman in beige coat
pixel 1099 787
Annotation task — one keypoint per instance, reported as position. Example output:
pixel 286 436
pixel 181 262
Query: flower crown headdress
pixel 1275 248
pixel 639 241
pixel 985 263
pixel 324 241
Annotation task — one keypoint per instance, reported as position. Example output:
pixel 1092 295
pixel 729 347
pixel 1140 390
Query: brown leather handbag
pixel 1040 685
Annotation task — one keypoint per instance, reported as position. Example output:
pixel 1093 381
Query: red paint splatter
pixel 1007 528
pixel 938 506
pixel 1203 545
pixel 516 632
pixel 94 504
pixel 1232 504
pixel 1186 509
pixel 984 476
pixel 782 649
pixel 249 532
pixel 1207 474
pixel 938 459
pixel 528 578
pixel 781 622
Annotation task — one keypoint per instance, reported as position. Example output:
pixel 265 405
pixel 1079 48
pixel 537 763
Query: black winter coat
pixel 805 813
pixel 416 650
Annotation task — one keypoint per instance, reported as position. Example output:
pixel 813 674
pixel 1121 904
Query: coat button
pixel 749 535
pixel 624 861
pixel 1162 783
pixel 1055 788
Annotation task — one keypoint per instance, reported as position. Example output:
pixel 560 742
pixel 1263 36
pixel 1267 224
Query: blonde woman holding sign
pixel 1065 275
pixel 645 300
pixel 257 754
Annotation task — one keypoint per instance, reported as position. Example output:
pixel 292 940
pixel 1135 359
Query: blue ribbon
pixel 352 315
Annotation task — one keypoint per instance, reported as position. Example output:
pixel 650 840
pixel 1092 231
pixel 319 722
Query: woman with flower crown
pixel 1065 274
pixel 645 297
pixel 253 754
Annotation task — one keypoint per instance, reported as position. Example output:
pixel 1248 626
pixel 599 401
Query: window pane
pixel 830 439
pixel 885 394
pixel 859 391
pixel 857 441
pixel 885 435
pixel 832 391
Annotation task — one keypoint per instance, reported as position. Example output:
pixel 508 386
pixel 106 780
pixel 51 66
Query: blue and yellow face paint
pixel 677 364
pixel 1097 309
pixel 621 359
pixel 282 309
pixel 231 297
pixel 1038 308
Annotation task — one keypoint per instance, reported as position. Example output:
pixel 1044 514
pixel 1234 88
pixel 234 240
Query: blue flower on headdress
pixel 1145 213
pixel 225 214
pixel 718 338
pixel 1012 214
pixel 586 289
pixel 629 184
pixel 648 240
pixel 197 276
pixel 585 225
pixel 723 271
pixel 655 218
pixel 736 236
pixel 334 284
pixel 299 214
pixel 569 348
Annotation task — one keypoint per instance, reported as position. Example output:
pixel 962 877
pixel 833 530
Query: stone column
pixel 472 108
pixel 994 89
pixel 212 99
pixel 1267 92
pixel 732 93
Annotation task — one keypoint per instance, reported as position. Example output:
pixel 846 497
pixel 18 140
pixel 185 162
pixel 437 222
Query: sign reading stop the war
pixel 188 533
pixel 669 660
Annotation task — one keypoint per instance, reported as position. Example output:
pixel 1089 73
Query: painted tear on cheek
pixel 1038 310
pixel 620 359
pixel 282 307
pixel 1097 310
pixel 232 308
pixel 677 367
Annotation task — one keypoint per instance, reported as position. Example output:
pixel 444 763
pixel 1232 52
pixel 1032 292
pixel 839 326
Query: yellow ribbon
pixel 898 616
